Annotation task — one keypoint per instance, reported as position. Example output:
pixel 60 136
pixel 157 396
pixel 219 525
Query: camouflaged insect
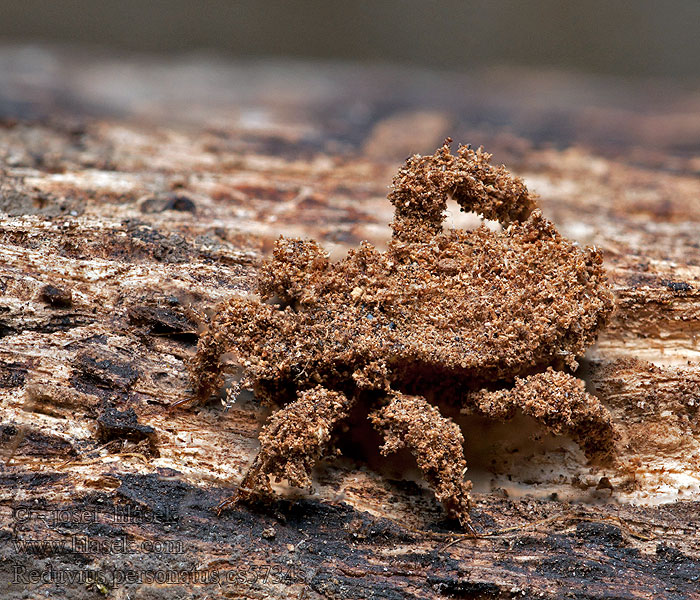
pixel 492 320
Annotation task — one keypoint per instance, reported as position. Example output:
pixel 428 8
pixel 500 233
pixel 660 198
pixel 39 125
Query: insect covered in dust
pixel 493 320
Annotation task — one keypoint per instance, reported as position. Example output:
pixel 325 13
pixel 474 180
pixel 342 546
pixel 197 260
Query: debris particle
pixel 56 296
pixel 677 286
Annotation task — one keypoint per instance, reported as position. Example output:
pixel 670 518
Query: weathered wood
pixel 137 194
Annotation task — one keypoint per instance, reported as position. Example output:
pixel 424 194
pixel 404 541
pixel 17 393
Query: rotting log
pixel 136 194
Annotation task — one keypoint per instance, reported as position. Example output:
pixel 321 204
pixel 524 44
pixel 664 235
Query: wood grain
pixel 137 193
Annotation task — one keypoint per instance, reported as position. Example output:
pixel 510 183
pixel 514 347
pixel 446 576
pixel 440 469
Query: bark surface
pixel 137 194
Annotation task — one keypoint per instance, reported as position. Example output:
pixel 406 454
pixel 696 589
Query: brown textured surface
pixel 93 151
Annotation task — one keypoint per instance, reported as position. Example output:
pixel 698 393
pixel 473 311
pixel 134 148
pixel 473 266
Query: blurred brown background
pixel 640 38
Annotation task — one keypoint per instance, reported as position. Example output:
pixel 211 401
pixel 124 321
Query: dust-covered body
pixel 483 318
